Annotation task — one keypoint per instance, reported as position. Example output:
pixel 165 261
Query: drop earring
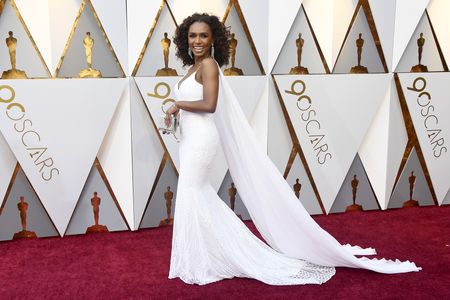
pixel 212 50
pixel 190 53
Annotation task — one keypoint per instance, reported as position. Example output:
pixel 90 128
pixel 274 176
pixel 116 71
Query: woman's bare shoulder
pixel 209 67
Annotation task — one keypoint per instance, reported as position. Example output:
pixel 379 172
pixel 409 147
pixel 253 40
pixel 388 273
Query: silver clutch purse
pixel 172 128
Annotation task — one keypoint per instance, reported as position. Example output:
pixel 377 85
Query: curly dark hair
pixel 220 35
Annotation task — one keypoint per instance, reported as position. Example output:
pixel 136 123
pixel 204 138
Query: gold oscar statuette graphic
pixel 24 233
pixel 411 202
pixel 168 196
pixel 166 71
pixel 420 67
pixel 299 69
pixel 359 46
pixel 297 188
pixel 88 43
pixel 354 206
pixel 13 73
pixel 95 201
pixel 233 71
pixel 232 192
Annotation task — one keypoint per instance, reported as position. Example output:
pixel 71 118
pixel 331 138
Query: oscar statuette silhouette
pixel 354 206
pixel 95 202
pixel 411 202
pixel 232 192
pixel 299 69
pixel 297 188
pixel 419 67
pixel 168 196
pixel 22 206
pixel 359 69
pixel 166 71
pixel 88 43
pixel 233 71
pixel 13 73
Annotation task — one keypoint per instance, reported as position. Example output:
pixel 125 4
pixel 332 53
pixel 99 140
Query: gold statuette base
pixel 90 73
pixel 14 74
pixel 359 70
pixel 411 203
pixel 298 70
pixel 354 207
pixel 97 228
pixel 166 72
pixel 24 234
pixel 419 68
pixel 233 72
pixel 166 222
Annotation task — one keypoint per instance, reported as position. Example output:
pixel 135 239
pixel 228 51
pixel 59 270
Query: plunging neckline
pixel 186 78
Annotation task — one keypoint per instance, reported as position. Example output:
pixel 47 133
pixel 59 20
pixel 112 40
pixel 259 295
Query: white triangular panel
pixel 427 98
pixel 383 12
pixel 348 57
pixel 141 16
pixel 430 53
pixel 330 20
pixel 343 13
pixel 337 104
pixel 116 158
pixel 62 15
pixel 407 16
pixel 7 165
pixel 382 149
pixel 254 11
pixel 439 12
pixel 27 58
pixel 113 17
pixel 36 16
pixel 65 122
pixel 281 16
pixel 310 57
pixel 321 14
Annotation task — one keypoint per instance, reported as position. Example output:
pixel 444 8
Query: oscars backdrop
pixel 349 98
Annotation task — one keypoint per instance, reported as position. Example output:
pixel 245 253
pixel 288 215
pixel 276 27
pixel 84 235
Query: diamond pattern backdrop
pixel 349 98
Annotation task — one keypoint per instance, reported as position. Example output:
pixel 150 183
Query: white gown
pixel 211 243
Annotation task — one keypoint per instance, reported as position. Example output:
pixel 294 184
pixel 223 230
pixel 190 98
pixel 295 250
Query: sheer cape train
pixel 276 212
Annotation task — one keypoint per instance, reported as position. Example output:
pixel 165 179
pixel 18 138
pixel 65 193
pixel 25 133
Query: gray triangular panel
pixel 83 216
pixel 421 192
pixel 364 193
pixel 37 218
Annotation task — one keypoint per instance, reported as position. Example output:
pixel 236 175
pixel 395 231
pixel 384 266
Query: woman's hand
pixel 173 110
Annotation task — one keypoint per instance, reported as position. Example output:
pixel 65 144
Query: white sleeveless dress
pixel 209 241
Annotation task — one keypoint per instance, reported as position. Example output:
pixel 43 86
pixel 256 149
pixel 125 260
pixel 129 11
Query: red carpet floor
pixel 127 265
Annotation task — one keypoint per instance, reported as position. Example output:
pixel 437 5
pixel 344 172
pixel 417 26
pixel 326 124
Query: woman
pixel 210 242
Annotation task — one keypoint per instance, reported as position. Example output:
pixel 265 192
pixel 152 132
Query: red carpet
pixel 135 264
